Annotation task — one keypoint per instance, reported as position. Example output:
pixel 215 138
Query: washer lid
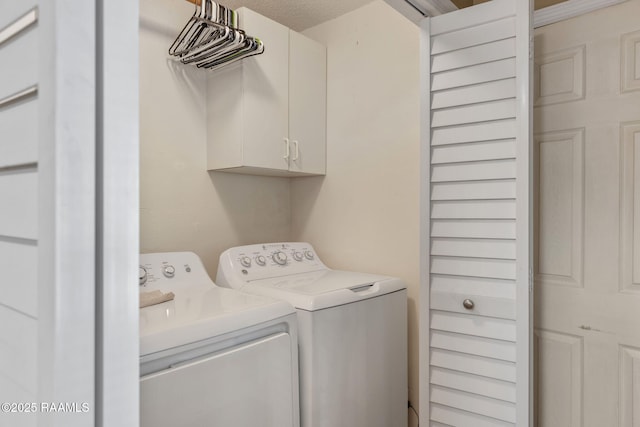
pixel 200 312
pixel 323 289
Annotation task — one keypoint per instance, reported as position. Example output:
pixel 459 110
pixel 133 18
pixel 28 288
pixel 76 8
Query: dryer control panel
pixel 262 261
pixel 170 270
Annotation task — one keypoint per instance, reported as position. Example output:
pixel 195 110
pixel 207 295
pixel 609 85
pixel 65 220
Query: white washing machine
pixel 352 332
pixel 213 356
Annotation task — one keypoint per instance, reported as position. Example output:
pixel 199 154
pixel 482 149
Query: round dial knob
pixel 308 254
pixel 280 258
pixel 142 275
pixel 260 260
pixel 245 261
pixel 168 270
pixel 297 256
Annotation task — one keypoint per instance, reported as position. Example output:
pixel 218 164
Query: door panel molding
pixel 630 207
pixel 629 386
pixel 559 371
pixel 559 176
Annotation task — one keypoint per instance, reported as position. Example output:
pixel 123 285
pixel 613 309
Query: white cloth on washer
pixel 154 297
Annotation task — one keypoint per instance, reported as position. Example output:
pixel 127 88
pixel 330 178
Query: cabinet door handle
pixel 297 152
pixel 286 149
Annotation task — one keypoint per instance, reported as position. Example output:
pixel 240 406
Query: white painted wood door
pixel 68 215
pixel 475 370
pixel 587 240
pixel 47 213
pixel 19 234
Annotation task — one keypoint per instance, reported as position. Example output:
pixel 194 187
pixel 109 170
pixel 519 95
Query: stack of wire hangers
pixel 211 38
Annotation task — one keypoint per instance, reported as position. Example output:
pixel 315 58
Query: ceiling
pixel 302 14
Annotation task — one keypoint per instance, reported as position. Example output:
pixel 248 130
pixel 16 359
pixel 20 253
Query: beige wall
pixel 363 215
pixel 182 206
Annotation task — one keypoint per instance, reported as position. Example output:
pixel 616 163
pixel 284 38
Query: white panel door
pixel 476 217
pixel 587 240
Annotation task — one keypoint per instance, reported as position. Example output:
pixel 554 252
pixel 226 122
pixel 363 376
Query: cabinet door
pixel 265 92
pixel 307 104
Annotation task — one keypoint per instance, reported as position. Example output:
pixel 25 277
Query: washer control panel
pixel 168 270
pixel 261 261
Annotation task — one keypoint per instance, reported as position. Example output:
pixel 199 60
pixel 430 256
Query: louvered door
pixel 476 216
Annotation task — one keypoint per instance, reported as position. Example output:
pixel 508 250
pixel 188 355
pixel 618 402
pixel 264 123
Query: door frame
pixel 524 209
pixel 88 211
pixel 117 213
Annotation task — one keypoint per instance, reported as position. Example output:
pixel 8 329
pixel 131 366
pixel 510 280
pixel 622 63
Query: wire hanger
pixel 211 38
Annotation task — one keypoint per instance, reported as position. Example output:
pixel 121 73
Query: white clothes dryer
pixel 213 356
pixel 352 331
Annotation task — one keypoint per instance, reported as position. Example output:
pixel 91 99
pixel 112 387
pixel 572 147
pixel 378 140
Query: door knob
pixel 468 304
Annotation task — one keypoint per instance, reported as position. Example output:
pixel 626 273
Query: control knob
pixel 245 261
pixel 142 275
pixel 260 260
pixel 297 256
pixel 168 271
pixel 280 258
pixel 308 254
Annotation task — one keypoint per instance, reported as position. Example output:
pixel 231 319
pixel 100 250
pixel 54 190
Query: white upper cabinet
pixel 267 114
